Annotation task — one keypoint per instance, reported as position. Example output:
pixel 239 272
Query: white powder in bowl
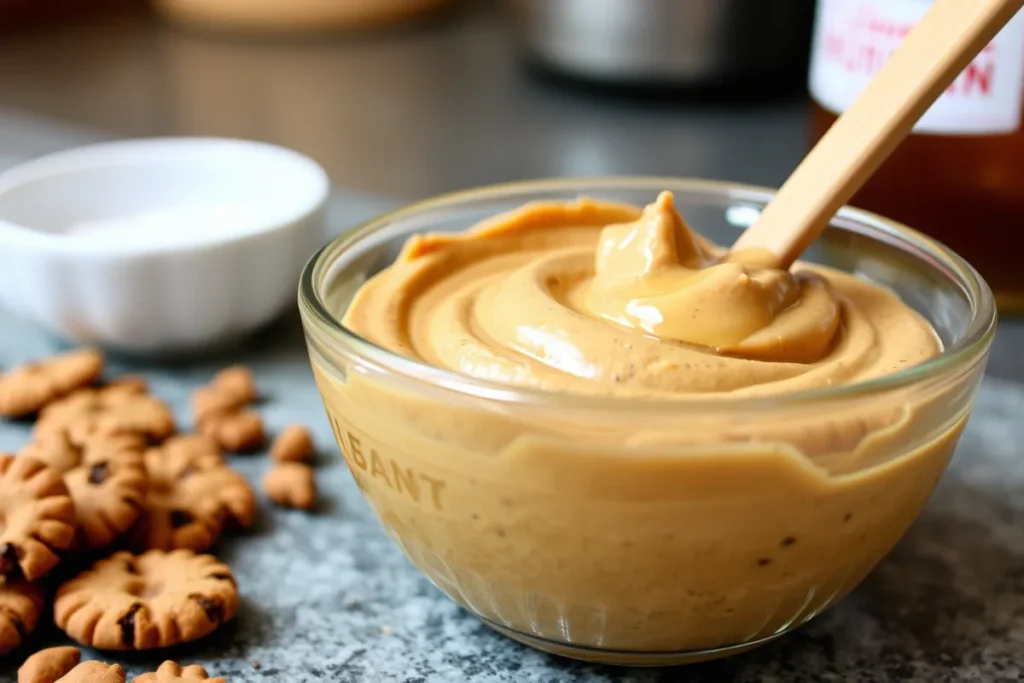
pixel 168 226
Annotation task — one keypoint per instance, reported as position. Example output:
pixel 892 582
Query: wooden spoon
pixel 938 48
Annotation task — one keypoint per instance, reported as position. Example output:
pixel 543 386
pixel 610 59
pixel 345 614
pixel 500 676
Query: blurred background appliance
pixel 695 43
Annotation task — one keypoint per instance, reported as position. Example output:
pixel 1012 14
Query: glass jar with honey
pixel 960 176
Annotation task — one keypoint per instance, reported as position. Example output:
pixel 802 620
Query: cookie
pixel 291 484
pixel 237 432
pixel 28 389
pixel 106 476
pixel 172 672
pixel 37 518
pixel 94 672
pixel 21 604
pixel 50 665
pixel 237 381
pixel 231 390
pixel 116 410
pixel 293 444
pixel 154 600
pixel 207 403
pixel 192 495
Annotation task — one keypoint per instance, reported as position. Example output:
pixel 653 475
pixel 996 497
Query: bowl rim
pixel 93 155
pixel 966 354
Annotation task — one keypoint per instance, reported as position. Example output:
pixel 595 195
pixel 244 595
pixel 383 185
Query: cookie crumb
pixel 256 665
pixel 50 665
pixel 291 484
pixel 293 444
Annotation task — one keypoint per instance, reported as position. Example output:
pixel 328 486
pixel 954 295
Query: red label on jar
pixel 854 38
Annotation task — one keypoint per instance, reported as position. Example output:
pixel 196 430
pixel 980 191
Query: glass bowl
pixel 646 531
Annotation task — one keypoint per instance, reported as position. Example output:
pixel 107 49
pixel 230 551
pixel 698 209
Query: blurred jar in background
pixel 960 176
pixel 290 16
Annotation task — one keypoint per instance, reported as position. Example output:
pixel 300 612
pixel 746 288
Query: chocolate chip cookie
pixel 192 496
pixel 107 479
pixel 37 518
pixel 154 600
pixel 21 604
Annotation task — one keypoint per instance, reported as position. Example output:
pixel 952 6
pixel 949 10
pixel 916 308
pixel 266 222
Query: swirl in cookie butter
pixel 604 298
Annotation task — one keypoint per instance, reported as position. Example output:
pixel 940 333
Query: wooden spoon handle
pixel 938 48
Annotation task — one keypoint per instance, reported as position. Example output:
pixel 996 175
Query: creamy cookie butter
pixel 711 524
pixel 593 297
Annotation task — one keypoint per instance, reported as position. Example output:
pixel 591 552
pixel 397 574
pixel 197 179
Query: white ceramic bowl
pixel 211 237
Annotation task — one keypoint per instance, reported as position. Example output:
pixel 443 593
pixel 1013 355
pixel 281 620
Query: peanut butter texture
pixel 619 532
pixel 599 298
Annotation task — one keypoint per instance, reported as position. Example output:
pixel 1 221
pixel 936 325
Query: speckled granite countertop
pixel 328 597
